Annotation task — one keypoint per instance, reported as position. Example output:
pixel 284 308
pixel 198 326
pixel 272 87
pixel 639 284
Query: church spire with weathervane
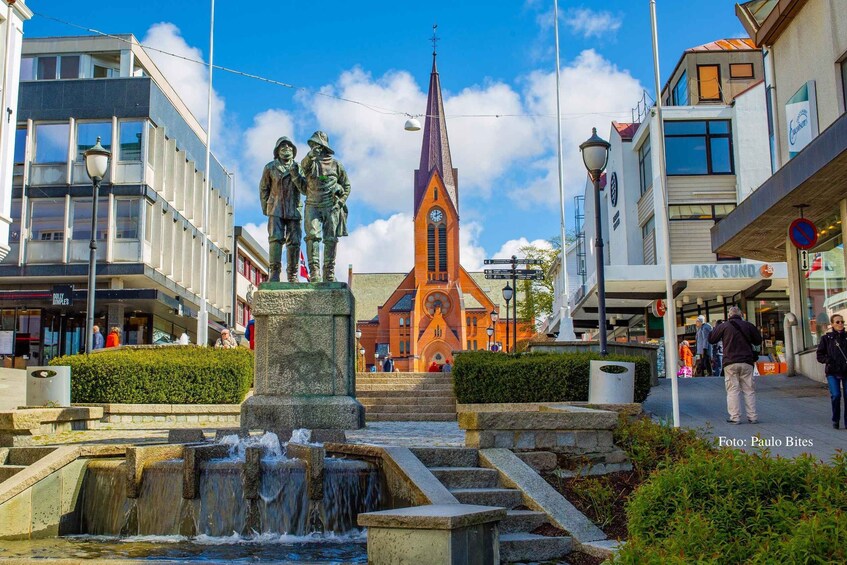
pixel 435 148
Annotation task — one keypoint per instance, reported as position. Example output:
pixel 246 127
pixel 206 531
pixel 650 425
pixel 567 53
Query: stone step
pixel 522 521
pixel 504 497
pixel 531 547
pixel 7 471
pixel 447 456
pixel 405 394
pixel 27 455
pixel 466 477
pixel 441 408
pixel 408 400
pixel 422 417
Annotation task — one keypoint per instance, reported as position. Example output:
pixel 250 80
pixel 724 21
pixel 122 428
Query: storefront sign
pixel 801 118
pixel 62 294
pixel 659 309
pixel 734 271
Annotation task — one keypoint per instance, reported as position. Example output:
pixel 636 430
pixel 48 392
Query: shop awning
pixel 817 177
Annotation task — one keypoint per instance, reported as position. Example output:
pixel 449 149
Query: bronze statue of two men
pixel 323 180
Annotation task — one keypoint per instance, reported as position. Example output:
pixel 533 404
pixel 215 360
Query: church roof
pixel 371 290
pixel 492 287
pixel 405 304
pixel 435 147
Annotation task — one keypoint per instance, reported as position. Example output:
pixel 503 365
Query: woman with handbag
pixel 832 351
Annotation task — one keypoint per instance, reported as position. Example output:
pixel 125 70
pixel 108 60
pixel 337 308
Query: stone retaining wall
pixel 117 416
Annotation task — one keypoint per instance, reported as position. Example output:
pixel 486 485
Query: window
pixel 741 70
pixel 698 147
pixel 27 68
pixel 822 289
pixel 709 82
pixel 239 262
pixel 46 68
pixel 81 229
pixel 104 72
pixel 126 218
pixel 442 248
pixel 649 227
pixel 47 220
pixel 15 227
pixel 130 134
pixel 680 91
pixel 645 167
pixel 20 145
pixel 402 348
pixel 430 247
pixel 148 222
pixel 51 143
pixel 402 322
pixel 699 211
pixel 87 134
pixel 69 68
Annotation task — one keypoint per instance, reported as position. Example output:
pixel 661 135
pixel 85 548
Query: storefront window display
pixel 822 289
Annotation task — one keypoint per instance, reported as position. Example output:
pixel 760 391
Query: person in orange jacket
pixel 686 359
pixel 114 337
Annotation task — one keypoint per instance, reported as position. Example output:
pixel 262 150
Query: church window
pixel 474 345
pixel 469 344
pixel 474 322
pixel 430 246
pixel 442 248
pixel 402 322
pixel 408 348
pixel 402 346
pixel 435 193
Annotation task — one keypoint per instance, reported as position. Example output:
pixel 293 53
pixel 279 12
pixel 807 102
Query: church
pixel 438 307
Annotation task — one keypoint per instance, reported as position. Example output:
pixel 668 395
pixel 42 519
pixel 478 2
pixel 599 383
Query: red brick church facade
pixel 438 307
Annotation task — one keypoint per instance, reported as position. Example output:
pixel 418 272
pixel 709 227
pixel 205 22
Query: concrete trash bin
pixel 611 382
pixel 48 385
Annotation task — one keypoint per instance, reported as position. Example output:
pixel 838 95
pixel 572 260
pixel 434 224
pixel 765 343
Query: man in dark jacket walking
pixel 738 338
pixel 832 350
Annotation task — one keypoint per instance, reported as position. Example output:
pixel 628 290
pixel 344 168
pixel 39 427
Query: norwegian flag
pixel 817 265
pixel 304 272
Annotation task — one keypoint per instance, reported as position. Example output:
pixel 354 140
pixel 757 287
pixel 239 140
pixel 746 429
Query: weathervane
pixel 435 38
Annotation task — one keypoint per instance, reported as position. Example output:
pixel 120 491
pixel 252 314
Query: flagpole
pixel 203 313
pixel 566 332
pixel 662 220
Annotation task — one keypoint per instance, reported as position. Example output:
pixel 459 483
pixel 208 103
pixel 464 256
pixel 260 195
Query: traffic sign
pixel 518 272
pixel 508 276
pixel 803 233
pixel 804 260
pixel 516 261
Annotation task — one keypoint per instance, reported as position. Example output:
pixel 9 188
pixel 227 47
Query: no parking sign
pixel 803 233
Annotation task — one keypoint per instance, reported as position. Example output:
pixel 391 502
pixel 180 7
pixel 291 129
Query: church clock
pixel 436 215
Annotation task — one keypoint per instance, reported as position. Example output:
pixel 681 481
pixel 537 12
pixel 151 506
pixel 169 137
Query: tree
pixel 537 296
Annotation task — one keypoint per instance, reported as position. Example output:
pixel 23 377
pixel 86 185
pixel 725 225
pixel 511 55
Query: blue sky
pixel 495 58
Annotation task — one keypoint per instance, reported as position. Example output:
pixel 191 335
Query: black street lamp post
pixel 493 329
pixel 96 165
pixel 595 155
pixel 490 332
pixel 508 292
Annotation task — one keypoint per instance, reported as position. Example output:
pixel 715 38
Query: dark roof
pixel 405 304
pixel 435 147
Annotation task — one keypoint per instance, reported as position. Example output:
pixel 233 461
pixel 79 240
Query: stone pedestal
pixel 305 365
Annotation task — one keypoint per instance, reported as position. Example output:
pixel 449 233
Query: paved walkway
pixel 794 414
pixel 12 388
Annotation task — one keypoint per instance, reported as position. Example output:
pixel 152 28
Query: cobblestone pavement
pixel 794 414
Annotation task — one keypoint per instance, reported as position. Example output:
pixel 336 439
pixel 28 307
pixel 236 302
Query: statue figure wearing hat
pixel 279 192
pixel 327 189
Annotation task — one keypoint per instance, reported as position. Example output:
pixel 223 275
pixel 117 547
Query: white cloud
pixel 514 246
pixel 471 253
pixel 384 246
pixel 258 145
pixel 591 23
pixel 258 232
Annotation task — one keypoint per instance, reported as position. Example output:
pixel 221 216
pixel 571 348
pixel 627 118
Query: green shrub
pixel 651 445
pixel 599 495
pixel 161 375
pixel 728 506
pixel 486 377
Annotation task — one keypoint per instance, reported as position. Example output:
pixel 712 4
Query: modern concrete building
pixel 12 18
pixel 804 46
pixel 716 153
pixel 251 269
pixel 72 91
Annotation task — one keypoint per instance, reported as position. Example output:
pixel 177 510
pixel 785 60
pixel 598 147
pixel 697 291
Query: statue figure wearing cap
pixel 279 192
pixel 327 189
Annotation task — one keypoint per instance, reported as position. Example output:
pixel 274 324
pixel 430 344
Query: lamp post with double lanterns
pixel 358 345
pixel 493 328
pixel 508 292
pixel 362 353
pixel 490 332
pixel 96 165
pixel 595 155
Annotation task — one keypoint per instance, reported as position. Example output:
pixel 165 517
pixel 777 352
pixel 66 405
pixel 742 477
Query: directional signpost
pixel 515 275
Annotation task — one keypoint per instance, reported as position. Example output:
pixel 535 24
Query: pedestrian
pixel 434 368
pixel 114 338
pixel 183 339
pixel 98 340
pixel 686 360
pixel 373 368
pixel 832 351
pixel 447 367
pixel 717 355
pixel 738 337
pixel 226 341
pixel 388 364
pixel 703 351
pixel 250 333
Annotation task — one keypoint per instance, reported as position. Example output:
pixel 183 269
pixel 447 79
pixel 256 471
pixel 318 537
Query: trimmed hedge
pixel 161 375
pixel 734 507
pixel 485 377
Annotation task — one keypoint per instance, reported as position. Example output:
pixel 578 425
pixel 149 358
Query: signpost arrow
pixel 804 260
